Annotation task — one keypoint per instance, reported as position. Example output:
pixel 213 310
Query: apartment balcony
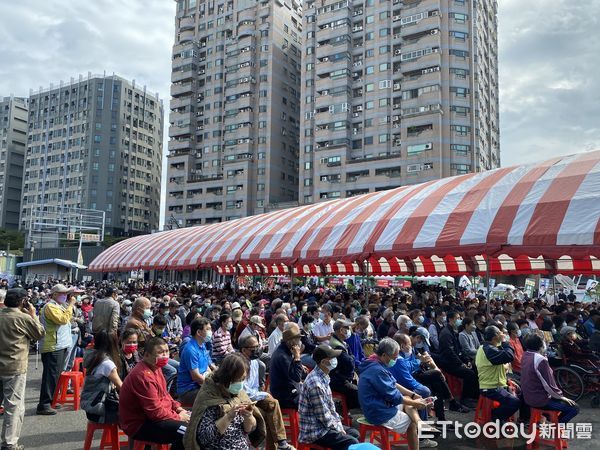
pixel 176 145
pixel 187 23
pixel 186 36
pixel 204 179
pixel 182 89
pixel 175 131
pixel 181 75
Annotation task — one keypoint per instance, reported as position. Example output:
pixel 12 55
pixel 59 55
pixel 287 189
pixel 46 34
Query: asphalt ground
pixel 66 430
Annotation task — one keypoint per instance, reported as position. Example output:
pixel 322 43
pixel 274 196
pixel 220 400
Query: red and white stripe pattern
pixel 535 214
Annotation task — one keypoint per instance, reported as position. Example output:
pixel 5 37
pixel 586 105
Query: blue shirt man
pixel 195 362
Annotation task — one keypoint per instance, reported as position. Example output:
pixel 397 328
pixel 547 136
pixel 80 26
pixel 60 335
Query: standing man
pixel 56 318
pixel 106 313
pixel 18 326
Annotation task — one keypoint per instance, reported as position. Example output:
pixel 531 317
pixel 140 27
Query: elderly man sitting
pixel 384 401
pixel 319 422
pixel 286 369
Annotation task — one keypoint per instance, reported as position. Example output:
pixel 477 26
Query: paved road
pixel 66 430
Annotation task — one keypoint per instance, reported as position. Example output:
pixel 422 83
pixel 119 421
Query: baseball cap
pixel 421 331
pixel 257 320
pixel 61 289
pixel 292 331
pixel 338 324
pixel 127 303
pixel 322 352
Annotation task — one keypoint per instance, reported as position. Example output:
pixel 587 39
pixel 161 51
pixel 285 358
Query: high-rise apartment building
pixel 96 143
pixel 395 93
pixel 235 109
pixel 13 139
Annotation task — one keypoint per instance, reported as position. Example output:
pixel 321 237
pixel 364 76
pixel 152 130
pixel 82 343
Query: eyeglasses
pixel 252 348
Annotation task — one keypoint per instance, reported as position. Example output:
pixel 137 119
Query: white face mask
pixel 348 334
pixel 332 363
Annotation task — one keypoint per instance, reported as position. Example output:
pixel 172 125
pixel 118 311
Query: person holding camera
pixel 18 326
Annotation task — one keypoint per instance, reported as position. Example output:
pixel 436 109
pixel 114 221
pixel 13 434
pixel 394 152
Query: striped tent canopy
pixel 539 218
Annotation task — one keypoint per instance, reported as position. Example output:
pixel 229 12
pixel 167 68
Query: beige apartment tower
pixel 395 93
pixel 235 109
pixel 95 143
pixel 13 140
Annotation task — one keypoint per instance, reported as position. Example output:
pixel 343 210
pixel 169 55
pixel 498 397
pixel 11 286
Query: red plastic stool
pixel 455 384
pixel 60 394
pixel 110 436
pixel 346 418
pixel 290 422
pixel 557 442
pixel 378 433
pixel 141 445
pixel 77 365
pixel 483 413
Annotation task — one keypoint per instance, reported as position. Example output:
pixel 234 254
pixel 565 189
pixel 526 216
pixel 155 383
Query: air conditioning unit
pixel 435 31
pixel 397 52
pixel 396 17
pixel 355 114
pixel 397 141
pixel 396 86
pixel 326 59
pixel 413 168
pixel 397 36
pixel 359 108
pixel 428 146
pixel 325 92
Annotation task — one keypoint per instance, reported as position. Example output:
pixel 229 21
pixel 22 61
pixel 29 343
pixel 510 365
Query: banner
pixel 529 287
pixel 337 281
pixel 544 285
pixel 401 283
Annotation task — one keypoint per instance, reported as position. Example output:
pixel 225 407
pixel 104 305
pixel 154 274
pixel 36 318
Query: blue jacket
pixel 355 349
pixel 403 370
pixel 377 393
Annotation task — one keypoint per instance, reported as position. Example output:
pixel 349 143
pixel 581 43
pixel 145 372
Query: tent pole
pixel 487 284
pixel 291 271
pixel 235 291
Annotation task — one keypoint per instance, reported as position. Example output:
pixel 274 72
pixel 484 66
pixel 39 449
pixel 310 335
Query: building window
pixel 461 149
pixel 460 169
pixel 461 130
pixel 97 138
pixel 260 187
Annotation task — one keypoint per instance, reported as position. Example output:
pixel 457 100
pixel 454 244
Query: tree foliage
pixel 15 238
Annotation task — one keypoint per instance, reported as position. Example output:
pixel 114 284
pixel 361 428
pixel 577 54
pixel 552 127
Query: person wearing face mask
pixel 141 311
pixel 343 377
pixel 124 313
pixel 514 333
pixel 320 423
pixel 224 417
pixel 275 336
pixel 221 341
pixel 268 406
pixel 308 340
pixel 174 325
pixel 147 412
pixel 468 339
pixel 438 323
pixel 451 359
pixel 195 364
pixel 106 313
pixel 383 400
pixel 324 327
pixel 286 371
pixel 387 326
pixel 55 317
pixel 491 360
pixel 355 348
pixel 128 352
pixel 542 391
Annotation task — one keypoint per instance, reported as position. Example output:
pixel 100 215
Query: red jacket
pixel 144 396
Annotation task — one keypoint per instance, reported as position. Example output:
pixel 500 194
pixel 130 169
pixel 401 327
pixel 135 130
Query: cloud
pixel 46 41
pixel 548 59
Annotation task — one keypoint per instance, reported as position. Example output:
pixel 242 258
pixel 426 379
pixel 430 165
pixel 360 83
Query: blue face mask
pixel 147 313
pixel 458 323
pixel 321 316
pixel 208 336
pixel 236 388
pixel 392 363
pixel 421 320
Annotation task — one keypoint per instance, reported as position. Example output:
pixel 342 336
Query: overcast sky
pixel 549 58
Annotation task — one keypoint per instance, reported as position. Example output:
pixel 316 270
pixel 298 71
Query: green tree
pixel 16 239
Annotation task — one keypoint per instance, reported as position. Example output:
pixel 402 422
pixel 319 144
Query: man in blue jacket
pixel 385 402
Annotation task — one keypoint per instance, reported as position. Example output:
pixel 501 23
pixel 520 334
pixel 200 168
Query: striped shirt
pixel 221 343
